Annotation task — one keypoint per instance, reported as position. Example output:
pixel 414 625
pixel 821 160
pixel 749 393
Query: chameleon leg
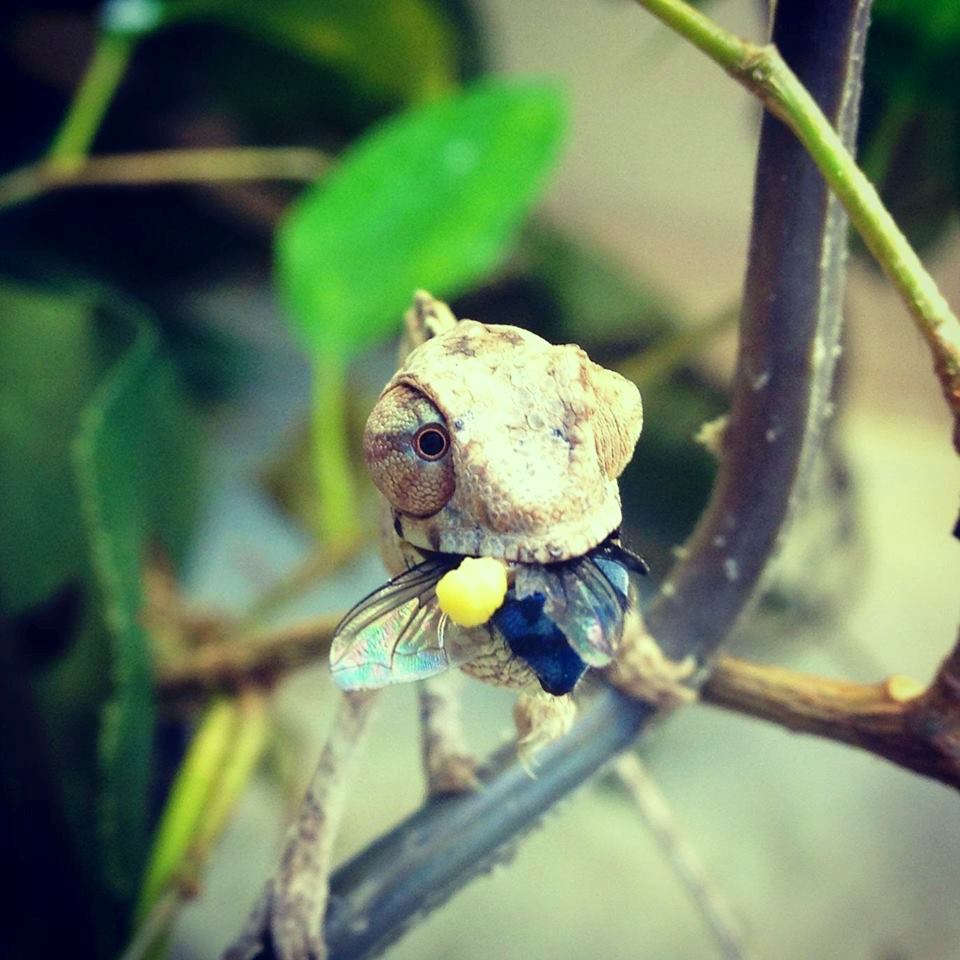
pixel 540 719
pixel 291 909
pixel 448 765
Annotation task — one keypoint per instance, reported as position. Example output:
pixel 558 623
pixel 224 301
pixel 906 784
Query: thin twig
pixel 655 810
pixel 153 927
pixel 257 660
pixel 289 914
pixel 201 165
pixel 91 100
pixel 222 757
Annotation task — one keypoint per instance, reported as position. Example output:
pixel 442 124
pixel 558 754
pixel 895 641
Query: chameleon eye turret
pixel 407 448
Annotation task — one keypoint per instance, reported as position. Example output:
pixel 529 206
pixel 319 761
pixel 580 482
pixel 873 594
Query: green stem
pixel 764 73
pixel 650 367
pixel 223 757
pixel 249 742
pixel 336 507
pixel 92 99
pixel 206 757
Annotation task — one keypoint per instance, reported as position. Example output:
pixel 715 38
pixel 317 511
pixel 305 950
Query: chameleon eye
pixel 431 442
pixel 407 448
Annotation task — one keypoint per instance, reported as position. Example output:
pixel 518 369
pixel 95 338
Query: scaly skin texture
pixel 539 435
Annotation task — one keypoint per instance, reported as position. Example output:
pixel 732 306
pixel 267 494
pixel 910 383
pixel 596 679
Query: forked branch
pixel 895 718
pixel 764 69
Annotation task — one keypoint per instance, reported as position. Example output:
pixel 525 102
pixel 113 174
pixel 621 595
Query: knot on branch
pixel 643 671
pixel 935 718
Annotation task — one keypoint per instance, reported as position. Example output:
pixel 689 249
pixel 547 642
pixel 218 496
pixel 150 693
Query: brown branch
pixel 206 165
pixel 896 718
pixel 262 658
pixel 789 343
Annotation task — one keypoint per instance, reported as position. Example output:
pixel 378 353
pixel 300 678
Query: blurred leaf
pixel 48 368
pixel 134 466
pixel 910 119
pixel 429 199
pixel 397 49
pixel 95 458
pixel 933 22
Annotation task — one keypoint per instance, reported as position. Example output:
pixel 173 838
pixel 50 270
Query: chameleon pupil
pixel 430 443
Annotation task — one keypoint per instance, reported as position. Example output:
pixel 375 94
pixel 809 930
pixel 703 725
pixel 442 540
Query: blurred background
pixel 185 369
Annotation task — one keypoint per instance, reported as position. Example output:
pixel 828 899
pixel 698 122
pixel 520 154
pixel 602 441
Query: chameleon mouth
pixel 610 547
pixel 561 618
pixel 558 619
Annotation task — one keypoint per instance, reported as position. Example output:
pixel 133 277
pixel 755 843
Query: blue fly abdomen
pixel 536 639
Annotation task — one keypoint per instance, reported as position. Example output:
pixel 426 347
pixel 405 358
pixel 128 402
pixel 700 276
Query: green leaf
pixel 49 366
pixel 134 465
pixel 403 50
pixel 95 461
pixel 429 199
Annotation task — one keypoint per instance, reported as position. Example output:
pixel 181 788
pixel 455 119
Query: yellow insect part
pixel 470 594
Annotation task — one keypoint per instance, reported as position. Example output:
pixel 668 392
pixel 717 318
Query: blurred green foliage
pixel 136 465
pixel 597 299
pixel 429 199
pixel 910 122
pixel 373 42
pixel 43 334
pixel 98 457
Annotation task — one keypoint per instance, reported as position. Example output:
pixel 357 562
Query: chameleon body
pixel 491 442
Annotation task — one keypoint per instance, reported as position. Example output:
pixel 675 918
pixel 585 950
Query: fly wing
pixel 587 599
pixel 398 633
pixel 597 597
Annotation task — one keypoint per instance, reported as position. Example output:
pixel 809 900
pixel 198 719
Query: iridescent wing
pixel 587 599
pixel 398 633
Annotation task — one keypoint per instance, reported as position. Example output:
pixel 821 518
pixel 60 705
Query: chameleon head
pixel 489 441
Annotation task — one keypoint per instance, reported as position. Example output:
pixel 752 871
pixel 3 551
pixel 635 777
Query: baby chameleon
pixel 490 442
